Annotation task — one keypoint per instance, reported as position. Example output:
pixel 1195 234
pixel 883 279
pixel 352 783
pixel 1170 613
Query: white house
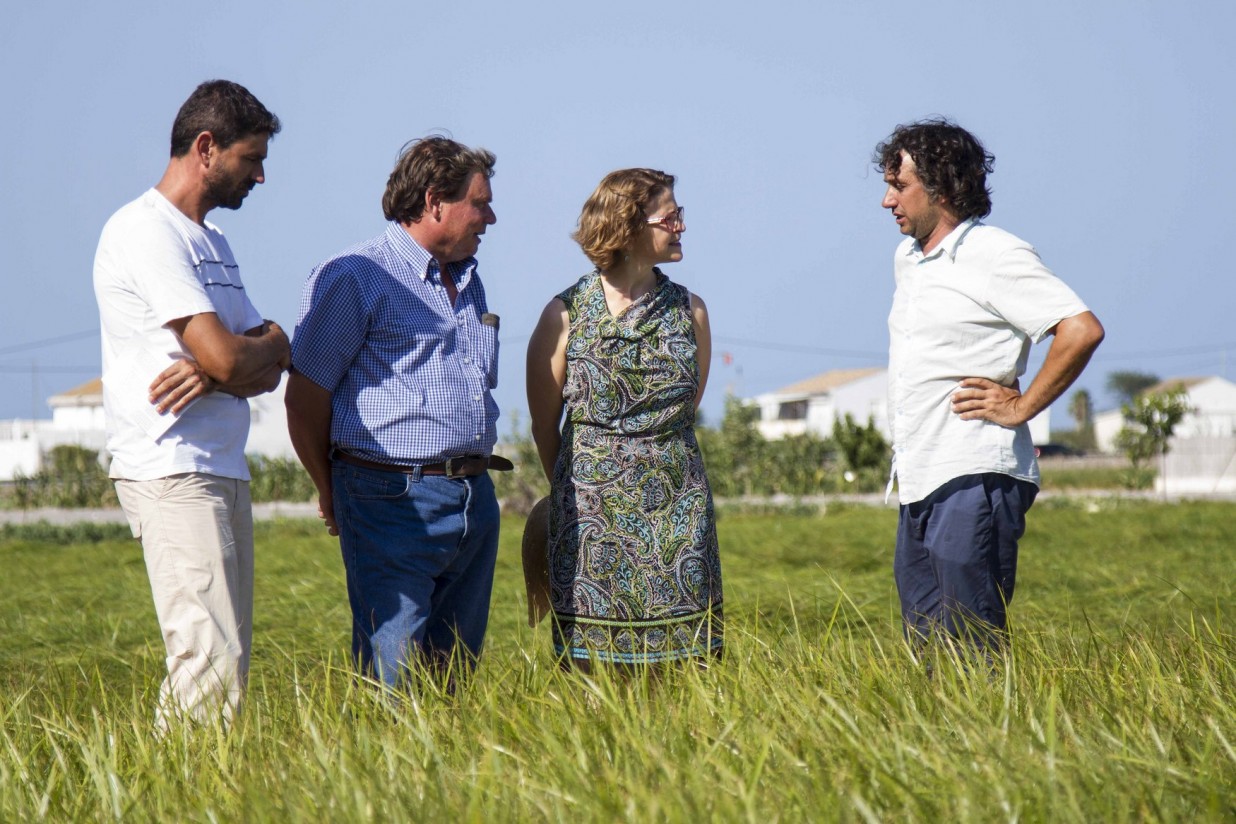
pixel 1211 399
pixel 77 418
pixel 1202 452
pixel 813 404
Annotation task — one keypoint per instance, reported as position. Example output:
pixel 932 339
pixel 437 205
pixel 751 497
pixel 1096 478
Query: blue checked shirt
pixel 409 376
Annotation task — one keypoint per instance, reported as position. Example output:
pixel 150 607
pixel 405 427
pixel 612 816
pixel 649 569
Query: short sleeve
pixel 332 325
pixel 1028 295
pixel 160 266
pixel 253 318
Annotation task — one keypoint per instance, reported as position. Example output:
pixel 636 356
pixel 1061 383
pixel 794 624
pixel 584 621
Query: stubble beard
pixel 227 195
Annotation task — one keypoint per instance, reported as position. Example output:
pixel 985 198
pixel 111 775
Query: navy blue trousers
pixel 956 559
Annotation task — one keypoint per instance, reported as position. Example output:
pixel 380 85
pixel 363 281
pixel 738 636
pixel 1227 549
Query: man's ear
pixel 202 146
pixel 433 205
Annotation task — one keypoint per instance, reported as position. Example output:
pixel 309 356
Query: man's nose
pixel 889 201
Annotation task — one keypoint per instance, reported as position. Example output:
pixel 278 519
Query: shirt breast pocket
pixel 487 354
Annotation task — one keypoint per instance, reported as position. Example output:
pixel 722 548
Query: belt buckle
pixel 454 467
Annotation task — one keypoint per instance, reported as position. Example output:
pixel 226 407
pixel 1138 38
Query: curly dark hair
pixel 225 109
pixel 951 163
pixel 435 163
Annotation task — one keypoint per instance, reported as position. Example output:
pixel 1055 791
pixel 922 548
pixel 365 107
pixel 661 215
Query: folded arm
pixel 242 365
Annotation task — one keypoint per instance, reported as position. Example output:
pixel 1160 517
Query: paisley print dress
pixel 635 576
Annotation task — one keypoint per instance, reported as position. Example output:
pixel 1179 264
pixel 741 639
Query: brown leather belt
pixel 465 467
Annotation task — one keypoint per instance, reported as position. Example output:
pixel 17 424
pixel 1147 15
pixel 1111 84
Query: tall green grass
pixel 1115 704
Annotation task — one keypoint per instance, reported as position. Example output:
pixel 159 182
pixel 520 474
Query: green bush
pixel 71 478
pixel 279 479
pixel 82 532
pixel 741 461
pixel 521 488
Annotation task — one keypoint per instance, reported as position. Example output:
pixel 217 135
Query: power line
pixel 1205 349
pixel 45 370
pixel 808 350
pixel 36 344
pixel 1167 353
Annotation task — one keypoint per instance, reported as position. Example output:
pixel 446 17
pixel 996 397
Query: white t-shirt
pixel 155 265
pixel 969 309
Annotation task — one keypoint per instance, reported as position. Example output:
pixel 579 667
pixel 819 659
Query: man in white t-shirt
pixel 183 348
pixel 970 299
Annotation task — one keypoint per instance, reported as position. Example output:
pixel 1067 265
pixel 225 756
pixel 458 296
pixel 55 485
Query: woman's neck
pixel 629 278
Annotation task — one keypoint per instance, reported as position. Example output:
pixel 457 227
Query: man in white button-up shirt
pixel 970 299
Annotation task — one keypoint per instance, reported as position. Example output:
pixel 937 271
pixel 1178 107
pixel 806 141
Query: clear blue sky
pixel 1110 121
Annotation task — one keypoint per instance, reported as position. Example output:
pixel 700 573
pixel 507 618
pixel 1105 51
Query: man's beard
pixel 227 194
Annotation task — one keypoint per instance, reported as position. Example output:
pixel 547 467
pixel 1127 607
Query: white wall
pixel 1213 401
pixel 862 398
pixel 17 454
pixel 268 425
pixel 1200 465
pixel 24 442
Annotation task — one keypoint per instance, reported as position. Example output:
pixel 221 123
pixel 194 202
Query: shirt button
pixel 476 397
pixel 467 360
pixel 476 437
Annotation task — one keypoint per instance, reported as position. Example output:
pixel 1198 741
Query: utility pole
pixel 34 389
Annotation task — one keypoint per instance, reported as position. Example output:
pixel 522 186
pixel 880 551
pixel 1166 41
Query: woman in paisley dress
pixel 619 360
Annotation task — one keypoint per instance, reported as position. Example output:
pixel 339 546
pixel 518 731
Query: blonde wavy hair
pixel 613 215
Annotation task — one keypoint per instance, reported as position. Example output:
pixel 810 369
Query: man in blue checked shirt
pixel 389 407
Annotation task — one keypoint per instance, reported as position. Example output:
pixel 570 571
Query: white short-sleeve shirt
pixel 969 309
pixel 154 265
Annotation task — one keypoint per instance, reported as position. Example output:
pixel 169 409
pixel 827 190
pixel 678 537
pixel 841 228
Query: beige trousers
pixel 197 537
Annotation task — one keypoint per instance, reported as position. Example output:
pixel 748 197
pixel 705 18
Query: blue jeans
pixel 956 559
pixel 419 556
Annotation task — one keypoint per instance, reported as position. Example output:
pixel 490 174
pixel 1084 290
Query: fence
pixel 1200 465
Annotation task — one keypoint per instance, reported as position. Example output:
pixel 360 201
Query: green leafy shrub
pixel 279 479
pixel 521 488
pixel 71 477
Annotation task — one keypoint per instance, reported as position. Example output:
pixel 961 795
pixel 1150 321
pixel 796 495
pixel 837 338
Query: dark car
pixel 1055 450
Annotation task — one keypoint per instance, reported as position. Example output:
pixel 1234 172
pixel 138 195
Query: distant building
pixel 1202 452
pixel 1211 399
pixel 813 404
pixel 77 419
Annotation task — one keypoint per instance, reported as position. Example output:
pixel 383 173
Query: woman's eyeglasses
pixel 673 222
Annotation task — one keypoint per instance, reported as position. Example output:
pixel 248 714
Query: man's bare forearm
pixel 230 358
pixel 1074 343
pixel 268 381
pixel 1075 340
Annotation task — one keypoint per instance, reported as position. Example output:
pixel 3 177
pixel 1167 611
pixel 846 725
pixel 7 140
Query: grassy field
pixel 1118 702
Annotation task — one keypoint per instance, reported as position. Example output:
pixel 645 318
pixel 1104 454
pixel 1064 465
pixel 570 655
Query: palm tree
pixel 1081 409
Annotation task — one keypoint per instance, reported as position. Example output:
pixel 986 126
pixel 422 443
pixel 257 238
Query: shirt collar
pixel 420 259
pixel 949 245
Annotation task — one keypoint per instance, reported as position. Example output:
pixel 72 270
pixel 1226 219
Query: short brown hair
pixel 431 164
pixel 227 110
pixel 614 213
